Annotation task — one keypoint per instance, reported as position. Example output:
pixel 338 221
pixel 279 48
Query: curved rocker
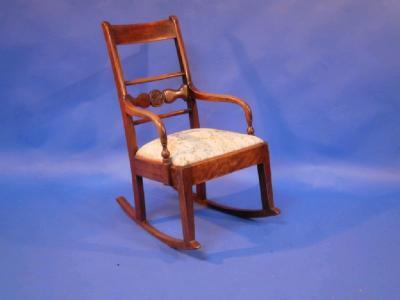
pixel 167 239
pixel 239 212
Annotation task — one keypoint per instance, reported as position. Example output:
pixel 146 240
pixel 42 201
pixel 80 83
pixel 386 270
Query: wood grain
pixel 143 33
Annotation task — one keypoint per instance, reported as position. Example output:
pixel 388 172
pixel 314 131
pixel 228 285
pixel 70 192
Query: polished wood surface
pixel 157 98
pixel 163 116
pixel 134 112
pixel 153 78
pixel 143 33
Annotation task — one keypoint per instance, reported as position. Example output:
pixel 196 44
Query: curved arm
pixel 226 98
pixel 132 110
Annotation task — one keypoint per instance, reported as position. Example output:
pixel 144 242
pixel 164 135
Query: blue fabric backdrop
pixel 323 79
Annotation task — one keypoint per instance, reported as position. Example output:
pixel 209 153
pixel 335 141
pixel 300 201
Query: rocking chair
pixel 185 158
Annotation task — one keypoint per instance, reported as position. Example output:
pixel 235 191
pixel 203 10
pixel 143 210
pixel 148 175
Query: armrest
pixel 132 110
pixel 226 98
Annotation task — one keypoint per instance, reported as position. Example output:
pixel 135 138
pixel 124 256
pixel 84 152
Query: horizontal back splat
pixel 157 98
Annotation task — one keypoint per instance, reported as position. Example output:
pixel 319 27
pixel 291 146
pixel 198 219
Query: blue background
pixel 323 79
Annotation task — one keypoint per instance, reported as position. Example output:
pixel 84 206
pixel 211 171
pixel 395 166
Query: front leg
pixel 186 206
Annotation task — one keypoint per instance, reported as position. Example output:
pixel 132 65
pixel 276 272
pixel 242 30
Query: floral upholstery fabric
pixel 193 145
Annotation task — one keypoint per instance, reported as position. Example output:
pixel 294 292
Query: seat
pixel 198 144
pixel 187 158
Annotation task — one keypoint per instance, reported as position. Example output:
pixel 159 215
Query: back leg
pixel 138 193
pixel 201 192
pixel 265 180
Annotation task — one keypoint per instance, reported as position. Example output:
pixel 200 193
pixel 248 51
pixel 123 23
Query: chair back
pixel 167 29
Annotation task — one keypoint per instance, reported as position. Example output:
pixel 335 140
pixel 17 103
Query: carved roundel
pixel 157 98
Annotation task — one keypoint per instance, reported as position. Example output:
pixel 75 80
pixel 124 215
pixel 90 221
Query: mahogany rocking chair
pixel 185 158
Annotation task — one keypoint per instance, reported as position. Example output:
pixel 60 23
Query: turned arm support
pixel 134 111
pixel 226 98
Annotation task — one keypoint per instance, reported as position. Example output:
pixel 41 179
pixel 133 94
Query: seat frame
pixel 182 178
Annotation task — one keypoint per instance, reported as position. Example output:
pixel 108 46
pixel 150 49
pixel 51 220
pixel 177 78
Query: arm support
pixel 132 110
pixel 226 98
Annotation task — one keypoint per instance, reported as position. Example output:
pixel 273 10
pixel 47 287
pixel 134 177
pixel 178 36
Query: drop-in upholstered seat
pixel 194 145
